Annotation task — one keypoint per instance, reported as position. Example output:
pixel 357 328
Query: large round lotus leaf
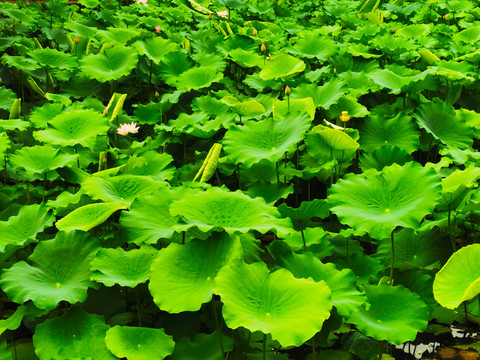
pixel 456 186
pixel 459 279
pixel 383 156
pixel 74 127
pixel 234 212
pixel 202 346
pixel 378 202
pixel 323 96
pixel 155 48
pixel 149 219
pixel 334 139
pixel 174 64
pixel 75 335
pixel 118 35
pixel 20 62
pixel 439 119
pixel 245 58
pixel 281 66
pixel 245 109
pixel 427 250
pixel 112 64
pixel 419 283
pixel 31 219
pixel 395 314
pixel 198 78
pixel 285 108
pixel 88 216
pixel 59 271
pixel 126 268
pixel 52 58
pixel 350 104
pixel 183 276
pixel 291 310
pixel 137 343
pixel 469 35
pixel 267 139
pixel 121 188
pixel 157 166
pixel 40 159
pixel 41 115
pixel 302 216
pixel 345 297
pixel 7 97
pixel 399 131
pixel 313 44
pixel 414 31
pixel 401 83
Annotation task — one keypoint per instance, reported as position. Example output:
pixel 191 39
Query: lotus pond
pixel 237 179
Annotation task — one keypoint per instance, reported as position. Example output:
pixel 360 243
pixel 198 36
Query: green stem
pixel 5 170
pixel 449 228
pixel 218 178
pixel 286 160
pixel 288 103
pixel 380 354
pixel 183 237
pixel 219 329
pixel 150 74
pixel 334 168
pixel 139 312
pixel 392 257
pixel 264 346
pixel 296 165
pixel 78 157
pixel 278 175
pixel 44 185
pixel 303 239
pixel 340 166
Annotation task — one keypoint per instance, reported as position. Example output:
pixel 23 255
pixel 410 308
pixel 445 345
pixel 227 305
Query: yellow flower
pixel 344 117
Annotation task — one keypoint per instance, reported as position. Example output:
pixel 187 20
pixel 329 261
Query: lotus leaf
pixel 378 202
pixel 31 220
pixel 183 276
pixel 469 36
pixel 88 216
pixel 117 35
pixel 245 58
pixel 245 109
pixel 126 268
pixel 439 119
pixel 74 127
pixel 323 96
pixel 459 278
pixel 75 335
pixel 202 346
pixel 291 310
pixel 112 64
pixel 198 78
pixel 234 212
pixel 55 59
pixel 267 139
pixel 7 97
pixel 19 62
pixel 400 83
pixel 383 156
pixel 271 193
pixel 40 159
pixel 395 314
pixel 398 131
pixel 174 64
pixel 456 186
pixel 316 241
pixel 155 48
pixel 350 104
pixel 59 271
pixel 313 44
pixel 302 217
pixel 137 343
pixel 152 164
pixel 283 109
pixel 281 66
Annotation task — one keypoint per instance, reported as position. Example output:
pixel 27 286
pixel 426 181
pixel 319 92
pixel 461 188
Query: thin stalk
pixel 296 164
pixel 183 237
pixel 150 73
pixel 264 346
pixel 478 303
pixel 392 258
pixel 218 178
pixel 288 103
pixel 340 166
pixel 303 239
pixel 334 168
pixel 44 185
pixel 219 329
pixel 380 354
pixel 465 311
pixel 139 312
pixel 5 170
pixel 278 175
pixel 78 157
pixel 285 176
pixel 449 228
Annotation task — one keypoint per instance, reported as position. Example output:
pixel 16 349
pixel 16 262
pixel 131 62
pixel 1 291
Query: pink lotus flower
pixel 144 2
pixel 158 28
pixel 125 129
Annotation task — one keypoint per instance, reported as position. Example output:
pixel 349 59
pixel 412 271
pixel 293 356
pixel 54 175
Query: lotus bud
pixel 445 16
pixel 105 111
pixel 394 30
pixel 158 29
pixel 210 17
pixel 254 32
pixel 157 94
pixel 345 117
pixel 287 90
pixel 263 48
pixel 77 39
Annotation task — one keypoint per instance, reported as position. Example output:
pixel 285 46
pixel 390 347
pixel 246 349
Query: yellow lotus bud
pixel 287 90
pixel 344 117
pixel 254 32
pixel 77 39
pixel 263 48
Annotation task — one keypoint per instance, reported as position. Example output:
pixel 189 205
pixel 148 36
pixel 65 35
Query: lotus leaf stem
pixel 264 346
pixel 139 311
pixel 449 229
pixel 44 185
pixel 303 239
pixel 392 258
pixel 285 175
pixel 219 329
pixel 314 349
pixel 5 170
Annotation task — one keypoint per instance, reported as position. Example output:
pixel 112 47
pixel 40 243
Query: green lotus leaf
pixel 157 166
pixel 198 78
pixel 40 159
pixel 31 220
pixel 350 104
pixel 54 59
pixel 233 212
pixel 271 193
pixel 291 310
pixel 302 217
pixel 345 297
pixel 149 219
pixel 459 278
pixel 117 35
pixel 398 131
pixel 419 283
pixel 173 65
pixel 74 127
pixel 456 186
pixel 121 188
pixel 245 109
pixel 155 48
pixel 74 335
pixel 202 346
pixel 323 96
pixel 316 241
pixel 183 276
pixel 383 156
pixel 267 139
pixel 313 44
pixel 137 343
pixel 426 250
pixel 88 216
pixel 246 58
pixel 285 108
pixel 439 119
pixel 7 97
pixel 59 271
pixel 334 139
pixel 469 35
pixel 112 64
pixel 395 314
pixel 378 202
pixel 126 268
pixel 20 62
pixel 414 31
pixel 14 124
pixel 281 66
pixel 454 71
pixel 5 144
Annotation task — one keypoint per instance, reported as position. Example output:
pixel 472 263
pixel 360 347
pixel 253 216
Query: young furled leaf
pixel 210 163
